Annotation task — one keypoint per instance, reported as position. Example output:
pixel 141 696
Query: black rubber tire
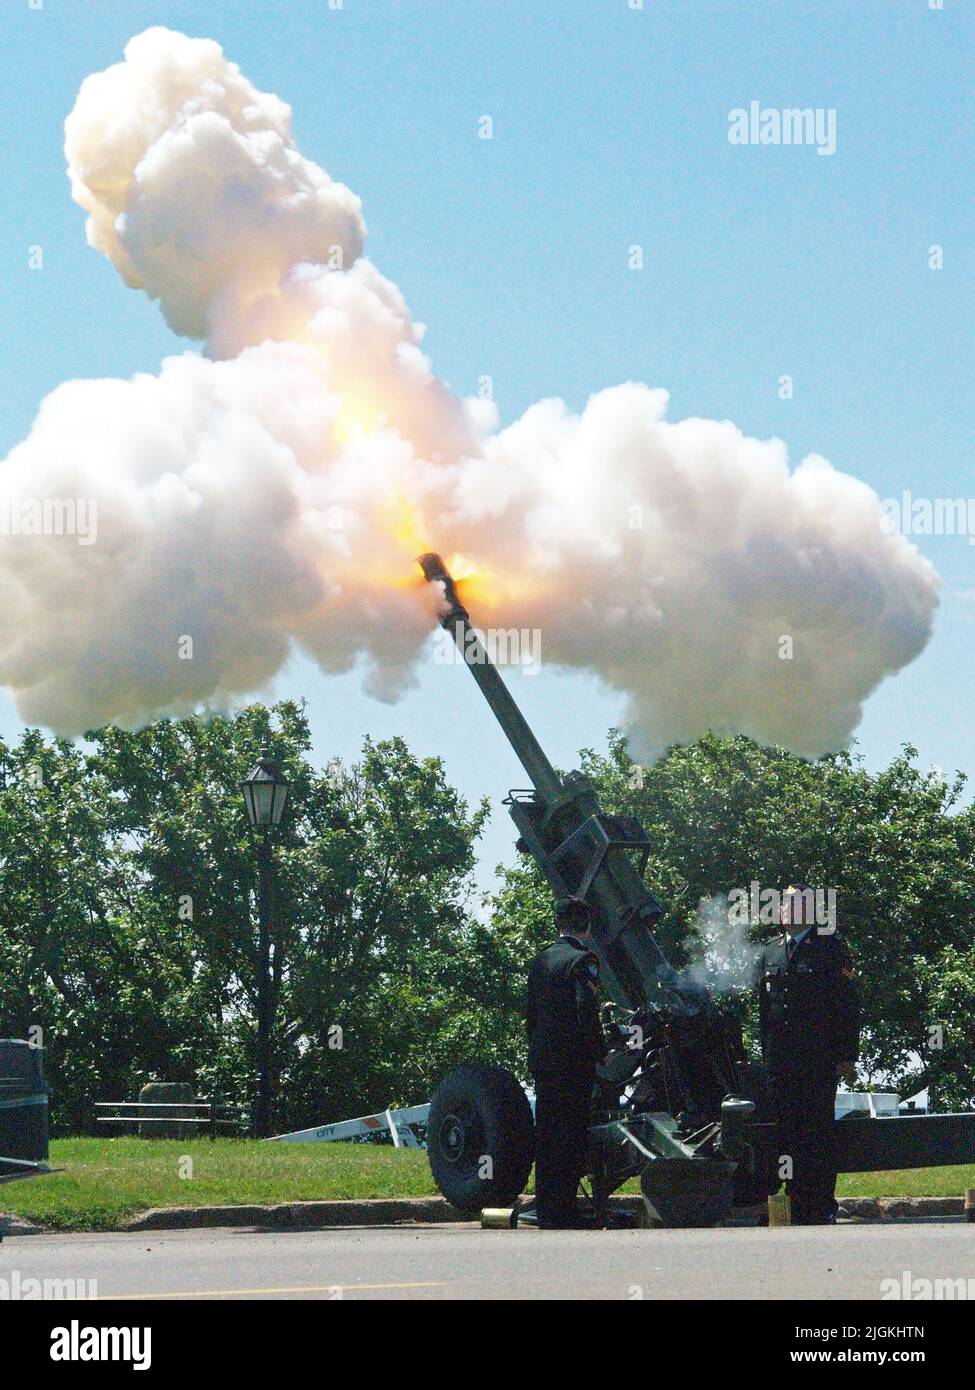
pixel 480 1113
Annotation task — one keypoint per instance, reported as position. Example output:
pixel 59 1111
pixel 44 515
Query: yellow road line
pixel 229 1293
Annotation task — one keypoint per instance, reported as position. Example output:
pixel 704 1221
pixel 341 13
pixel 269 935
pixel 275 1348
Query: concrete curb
pixel 395 1211
pixel 11 1225
pixel 897 1208
pixel 382 1211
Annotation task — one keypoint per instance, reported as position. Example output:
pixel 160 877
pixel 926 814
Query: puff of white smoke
pixel 723 955
pixel 687 566
pixel 278 497
pixel 360 325
pixel 192 183
pixel 221 539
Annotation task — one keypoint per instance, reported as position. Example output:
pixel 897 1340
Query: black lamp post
pixel 265 792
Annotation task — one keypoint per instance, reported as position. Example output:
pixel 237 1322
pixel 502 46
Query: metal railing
pixel 211 1116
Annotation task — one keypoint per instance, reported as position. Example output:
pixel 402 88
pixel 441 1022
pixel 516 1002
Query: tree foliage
pixel 898 847
pixel 128 907
pixel 128 917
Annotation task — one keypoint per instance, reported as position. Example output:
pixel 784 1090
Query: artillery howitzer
pixel 677 1103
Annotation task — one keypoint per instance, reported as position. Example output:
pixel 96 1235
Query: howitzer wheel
pixel 480 1138
pixel 688 1191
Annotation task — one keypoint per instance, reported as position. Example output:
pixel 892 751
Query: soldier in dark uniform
pixel 565 1043
pixel 809 1018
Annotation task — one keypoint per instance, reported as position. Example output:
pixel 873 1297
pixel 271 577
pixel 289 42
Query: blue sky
pixel 610 128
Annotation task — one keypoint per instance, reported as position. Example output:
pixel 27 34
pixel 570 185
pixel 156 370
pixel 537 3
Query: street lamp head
pixel 265 791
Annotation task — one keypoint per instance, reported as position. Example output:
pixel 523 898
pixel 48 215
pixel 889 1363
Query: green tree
pixel 127 883
pixel 897 846
pixel 127 907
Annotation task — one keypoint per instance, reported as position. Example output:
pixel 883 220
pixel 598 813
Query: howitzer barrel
pixel 581 851
pixel 456 621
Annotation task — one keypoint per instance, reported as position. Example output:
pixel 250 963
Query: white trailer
pixel 398 1124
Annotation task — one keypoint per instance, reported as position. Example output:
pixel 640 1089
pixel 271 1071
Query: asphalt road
pixel 464 1262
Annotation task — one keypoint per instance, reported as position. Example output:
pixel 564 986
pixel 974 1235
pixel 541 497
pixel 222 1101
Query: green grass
pixel 107 1181
pixel 909 1182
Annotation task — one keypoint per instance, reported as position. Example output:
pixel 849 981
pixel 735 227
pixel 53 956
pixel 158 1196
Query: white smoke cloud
pixel 274 492
pixel 195 190
pixel 724 957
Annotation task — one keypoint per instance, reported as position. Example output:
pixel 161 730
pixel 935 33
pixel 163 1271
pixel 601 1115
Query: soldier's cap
pixel 575 910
